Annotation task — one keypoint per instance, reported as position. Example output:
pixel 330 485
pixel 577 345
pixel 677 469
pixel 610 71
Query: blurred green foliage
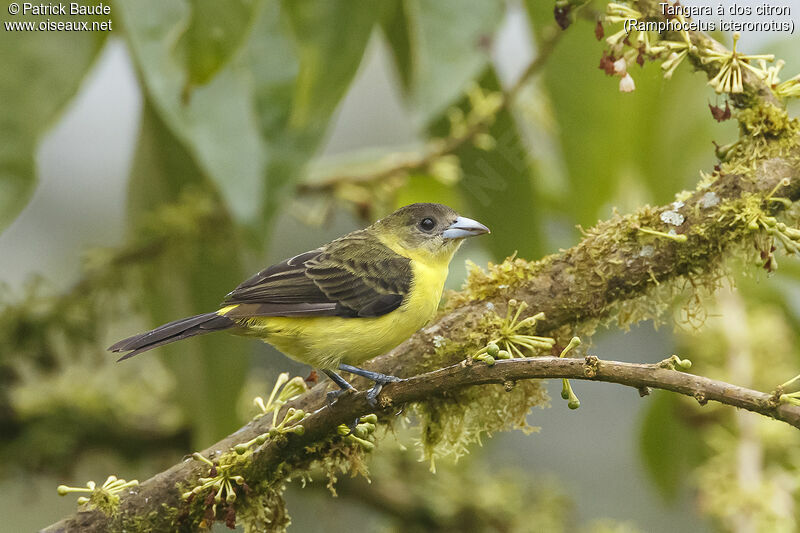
pixel 500 181
pixel 39 79
pixel 668 449
pixel 215 33
pixel 619 149
pixel 436 61
pixel 238 100
pixel 739 463
pixel 186 278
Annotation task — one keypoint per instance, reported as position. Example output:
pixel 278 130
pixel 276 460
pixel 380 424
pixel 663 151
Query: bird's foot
pixel 375 390
pixel 333 396
pixel 379 379
pixel 372 394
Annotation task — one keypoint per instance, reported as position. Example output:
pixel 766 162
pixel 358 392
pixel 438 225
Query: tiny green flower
pixel 566 387
pixel 510 341
pixel 676 363
pixel 284 391
pixel 105 497
pixel 729 79
pixel 789 88
pixel 222 481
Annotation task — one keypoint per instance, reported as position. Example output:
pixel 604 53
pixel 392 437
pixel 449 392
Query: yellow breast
pixel 324 342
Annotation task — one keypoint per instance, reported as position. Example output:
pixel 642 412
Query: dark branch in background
pixel 447 146
pixel 31 323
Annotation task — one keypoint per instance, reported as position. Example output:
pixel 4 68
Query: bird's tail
pixel 174 331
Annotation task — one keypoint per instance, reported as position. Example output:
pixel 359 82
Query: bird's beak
pixel 464 227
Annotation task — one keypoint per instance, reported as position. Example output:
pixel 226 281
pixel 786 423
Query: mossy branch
pixel 614 265
pixel 159 492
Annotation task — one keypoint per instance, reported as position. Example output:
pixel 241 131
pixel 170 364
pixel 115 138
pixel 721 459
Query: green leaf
pixel 395 27
pixel 215 33
pixel 670 449
pixel 41 72
pixel 498 184
pixel 331 37
pixel 216 124
pixel 255 124
pixel 329 42
pixel 445 46
pixel 187 279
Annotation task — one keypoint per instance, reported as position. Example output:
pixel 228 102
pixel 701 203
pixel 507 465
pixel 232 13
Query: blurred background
pixel 145 171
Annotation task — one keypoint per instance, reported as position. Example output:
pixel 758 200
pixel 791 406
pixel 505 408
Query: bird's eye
pixel 427 224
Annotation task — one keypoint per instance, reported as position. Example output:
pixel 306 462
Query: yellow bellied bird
pixel 345 302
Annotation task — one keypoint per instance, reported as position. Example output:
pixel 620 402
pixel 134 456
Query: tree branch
pixel 576 289
pixel 161 489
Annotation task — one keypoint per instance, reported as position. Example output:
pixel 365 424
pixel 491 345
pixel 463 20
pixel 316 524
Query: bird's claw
pixel 333 396
pixel 375 390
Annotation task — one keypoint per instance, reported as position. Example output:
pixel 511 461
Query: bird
pixel 343 303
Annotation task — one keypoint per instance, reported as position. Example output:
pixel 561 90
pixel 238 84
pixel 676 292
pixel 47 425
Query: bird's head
pixel 434 231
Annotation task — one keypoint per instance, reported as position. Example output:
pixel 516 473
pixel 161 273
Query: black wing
pixel 355 276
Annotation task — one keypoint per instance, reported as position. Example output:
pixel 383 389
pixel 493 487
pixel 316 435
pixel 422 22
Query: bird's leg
pixel 379 379
pixel 333 395
pixel 344 387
